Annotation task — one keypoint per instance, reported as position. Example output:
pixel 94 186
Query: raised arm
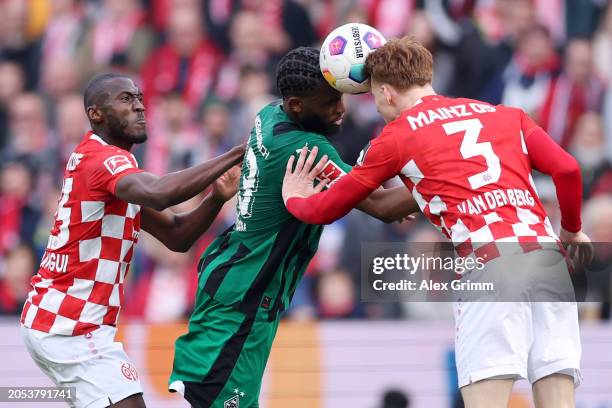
pixel 162 192
pixel 310 205
pixel 178 232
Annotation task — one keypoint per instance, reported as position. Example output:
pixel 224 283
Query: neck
pixel 288 112
pixel 104 135
pixel 410 97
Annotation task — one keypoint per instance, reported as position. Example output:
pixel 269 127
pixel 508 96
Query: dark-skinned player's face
pixel 322 111
pixel 124 111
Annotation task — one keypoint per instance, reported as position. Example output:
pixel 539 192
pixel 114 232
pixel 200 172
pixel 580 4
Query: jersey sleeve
pixel 335 167
pixel 109 167
pixel 379 161
pixel 546 156
pixel 528 125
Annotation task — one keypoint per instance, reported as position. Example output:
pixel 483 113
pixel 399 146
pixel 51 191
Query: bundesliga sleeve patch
pixel 117 164
pixel 331 172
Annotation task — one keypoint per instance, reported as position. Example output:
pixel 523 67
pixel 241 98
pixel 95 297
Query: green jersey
pixel 256 265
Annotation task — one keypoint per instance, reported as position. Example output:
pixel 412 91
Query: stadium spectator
pixel 286 24
pixel 217 132
pixel 11 84
pixel 598 222
pixel 395 399
pixel 523 83
pixel 186 63
pixel 247 50
pixel 165 290
pixel 40 236
pixel 118 37
pixel 587 146
pixel 172 136
pixel 505 21
pixel 391 16
pixel 70 125
pixel 64 30
pixel 15 45
pixel 576 90
pixel 18 216
pixel 421 28
pixel 253 94
pixel 31 139
pixel 59 77
pixel 602 47
pixel 336 295
pixel 15 279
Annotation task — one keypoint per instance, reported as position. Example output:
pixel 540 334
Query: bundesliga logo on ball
pixel 343 56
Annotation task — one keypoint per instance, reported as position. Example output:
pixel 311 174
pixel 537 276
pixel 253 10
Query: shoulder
pixel 101 155
pixel 276 121
pixel 270 110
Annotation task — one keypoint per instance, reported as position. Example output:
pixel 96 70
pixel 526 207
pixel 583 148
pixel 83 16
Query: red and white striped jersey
pixel 79 285
pixel 467 166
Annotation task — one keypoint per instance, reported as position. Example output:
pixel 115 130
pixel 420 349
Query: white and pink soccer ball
pixel 343 56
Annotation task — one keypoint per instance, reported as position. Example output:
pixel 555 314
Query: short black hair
pixel 298 72
pixel 95 91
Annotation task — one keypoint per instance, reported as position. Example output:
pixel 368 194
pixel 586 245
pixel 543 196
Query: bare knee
pixel 554 391
pixel 492 393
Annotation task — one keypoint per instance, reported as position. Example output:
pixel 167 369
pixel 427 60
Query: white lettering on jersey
pixel 55 262
pixel 496 198
pixel 424 118
pixel 263 150
pixel 116 164
pixel 73 161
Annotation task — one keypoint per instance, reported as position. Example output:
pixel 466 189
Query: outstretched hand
pixel 226 186
pixel 298 181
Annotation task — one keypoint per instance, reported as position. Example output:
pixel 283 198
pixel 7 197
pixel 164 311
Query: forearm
pixel 182 185
pixel 390 204
pixel 328 206
pixel 568 184
pixel 191 225
pixel 546 156
pixel 178 232
pixel 160 193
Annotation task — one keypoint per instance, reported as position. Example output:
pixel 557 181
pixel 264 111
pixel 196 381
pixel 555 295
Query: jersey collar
pixel 92 136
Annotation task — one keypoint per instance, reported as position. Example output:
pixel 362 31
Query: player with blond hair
pixel 468 164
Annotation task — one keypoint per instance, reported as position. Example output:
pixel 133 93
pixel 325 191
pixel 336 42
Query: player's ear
pixel 295 104
pixel 94 114
pixel 387 92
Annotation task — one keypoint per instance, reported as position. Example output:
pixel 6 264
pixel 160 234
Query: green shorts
pixel 220 362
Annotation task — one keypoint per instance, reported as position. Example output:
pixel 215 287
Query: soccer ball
pixel 343 56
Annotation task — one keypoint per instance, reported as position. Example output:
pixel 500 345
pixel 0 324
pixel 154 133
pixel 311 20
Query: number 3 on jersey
pixel 471 148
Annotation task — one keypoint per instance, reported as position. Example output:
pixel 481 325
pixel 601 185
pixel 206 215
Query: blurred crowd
pixel 207 66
